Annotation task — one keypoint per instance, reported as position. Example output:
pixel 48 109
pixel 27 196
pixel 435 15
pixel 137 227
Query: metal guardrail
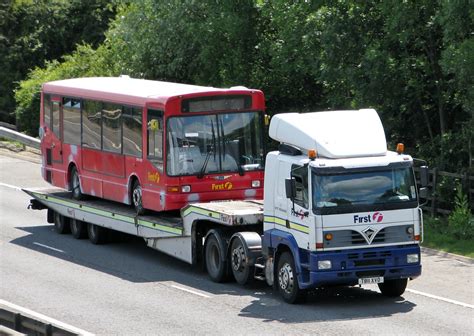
pixel 20 137
pixel 16 320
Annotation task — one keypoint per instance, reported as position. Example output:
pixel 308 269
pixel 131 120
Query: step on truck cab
pixel 338 209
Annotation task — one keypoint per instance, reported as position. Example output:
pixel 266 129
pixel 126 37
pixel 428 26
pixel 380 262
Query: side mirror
pixel 290 188
pixel 423 193
pixel 424 176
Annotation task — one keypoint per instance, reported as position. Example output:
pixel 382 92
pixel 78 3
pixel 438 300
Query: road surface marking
pixel 49 247
pixel 190 291
pixel 44 318
pixel 9 186
pixel 462 304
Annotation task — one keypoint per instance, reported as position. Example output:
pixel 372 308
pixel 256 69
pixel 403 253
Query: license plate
pixel 369 281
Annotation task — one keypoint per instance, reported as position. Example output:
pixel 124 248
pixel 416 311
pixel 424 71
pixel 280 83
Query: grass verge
pixel 437 236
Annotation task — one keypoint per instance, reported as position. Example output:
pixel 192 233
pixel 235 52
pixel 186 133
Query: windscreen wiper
pixel 202 171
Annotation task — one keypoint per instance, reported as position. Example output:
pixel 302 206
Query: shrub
pixel 460 221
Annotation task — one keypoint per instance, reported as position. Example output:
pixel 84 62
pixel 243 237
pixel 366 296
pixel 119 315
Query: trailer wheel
pixel 243 273
pixel 61 224
pixel 78 228
pixel 393 288
pixel 97 234
pixel 76 185
pixel 137 200
pixel 287 279
pixel 215 260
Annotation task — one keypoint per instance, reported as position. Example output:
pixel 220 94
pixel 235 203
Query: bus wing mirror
pixel 290 188
pixel 423 193
pixel 424 176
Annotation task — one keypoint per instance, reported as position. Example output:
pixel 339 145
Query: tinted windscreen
pixel 347 191
pixel 227 142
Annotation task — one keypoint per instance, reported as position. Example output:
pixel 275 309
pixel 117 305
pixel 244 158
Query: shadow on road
pixel 128 258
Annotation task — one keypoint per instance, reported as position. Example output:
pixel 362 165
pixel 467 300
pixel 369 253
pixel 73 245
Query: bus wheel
pixel 78 229
pixel 393 288
pixel 97 234
pixel 216 264
pixel 243 273
pixel 137 198
pixel 76 185
pixel 61 224
pixel 287 279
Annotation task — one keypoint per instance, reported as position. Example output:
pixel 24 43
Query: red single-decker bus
pixel 153 144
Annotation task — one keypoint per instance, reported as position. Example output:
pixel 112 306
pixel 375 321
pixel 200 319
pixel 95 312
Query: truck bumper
pixel 350 265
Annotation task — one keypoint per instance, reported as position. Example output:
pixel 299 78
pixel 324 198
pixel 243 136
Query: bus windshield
pixel 225 142
pixel 380 189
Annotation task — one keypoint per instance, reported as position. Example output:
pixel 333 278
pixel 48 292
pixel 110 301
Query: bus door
pixel 56 127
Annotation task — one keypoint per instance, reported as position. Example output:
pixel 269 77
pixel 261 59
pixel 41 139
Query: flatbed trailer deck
pixel 174 233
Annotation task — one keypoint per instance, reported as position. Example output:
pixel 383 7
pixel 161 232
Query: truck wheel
pixel 61 224
pixel 287 279
pixel 76 185
pixel 137 198
pixel 215 261
pixel 97 234
pixel 243 273
pixel 393 288
pixel 78 229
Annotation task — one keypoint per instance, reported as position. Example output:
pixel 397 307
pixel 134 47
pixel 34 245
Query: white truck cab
pixel 338 207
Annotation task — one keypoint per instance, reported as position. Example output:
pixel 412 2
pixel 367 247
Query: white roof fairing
pixel 334 134
pixel 126 89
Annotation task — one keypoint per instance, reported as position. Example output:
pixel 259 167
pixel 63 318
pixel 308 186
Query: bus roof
pixel 129 90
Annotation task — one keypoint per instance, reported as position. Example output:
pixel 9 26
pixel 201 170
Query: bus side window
pixel 72 121
pixel 56 121
pixel 300 174
pixel 112 128
pixel 92 124
pixel 132 131
pixel 155 134
pixel 47 110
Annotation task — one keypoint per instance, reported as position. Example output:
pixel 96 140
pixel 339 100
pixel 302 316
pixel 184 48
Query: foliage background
pixel 413 61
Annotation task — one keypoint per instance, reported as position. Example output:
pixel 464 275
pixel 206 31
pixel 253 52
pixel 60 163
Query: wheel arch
pixel 131 180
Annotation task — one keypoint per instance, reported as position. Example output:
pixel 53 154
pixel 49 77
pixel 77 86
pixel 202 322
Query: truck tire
pixel 61 224
pixel 76 185
pixel 78 229
pixel 243 273
pixel 393 288
pixel 97 234
pixel 287 280
pixel 215 260
pixel 137 200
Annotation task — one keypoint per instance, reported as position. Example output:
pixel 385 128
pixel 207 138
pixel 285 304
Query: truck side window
pixel 300 174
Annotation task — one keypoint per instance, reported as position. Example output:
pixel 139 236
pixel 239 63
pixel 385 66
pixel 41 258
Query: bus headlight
pixel 324 264
pixel 256 184
pixel 413 258
pixel 185 188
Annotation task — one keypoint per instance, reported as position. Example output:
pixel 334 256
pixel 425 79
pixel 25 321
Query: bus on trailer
pixel 152 144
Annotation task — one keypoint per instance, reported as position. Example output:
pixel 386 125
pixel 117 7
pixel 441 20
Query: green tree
pixel 35 31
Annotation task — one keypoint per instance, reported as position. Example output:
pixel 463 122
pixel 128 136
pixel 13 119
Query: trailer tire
pixel 243 272
pixel 61 223
pixel 76 185
pixel 78 229
pixel 393 288
pixel 287 280
pixel 216 264
pixel 97 234
pixel 137 199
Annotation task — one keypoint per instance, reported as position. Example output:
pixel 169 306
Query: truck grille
pixel 349 238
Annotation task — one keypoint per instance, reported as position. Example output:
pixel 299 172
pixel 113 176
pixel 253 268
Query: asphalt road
pixel 125 288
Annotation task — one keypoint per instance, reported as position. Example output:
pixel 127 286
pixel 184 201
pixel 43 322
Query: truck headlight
pixel 413 258
pixel 324 264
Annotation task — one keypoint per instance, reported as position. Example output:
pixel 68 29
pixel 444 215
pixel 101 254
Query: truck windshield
pixel 226 142
pixel 360 191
